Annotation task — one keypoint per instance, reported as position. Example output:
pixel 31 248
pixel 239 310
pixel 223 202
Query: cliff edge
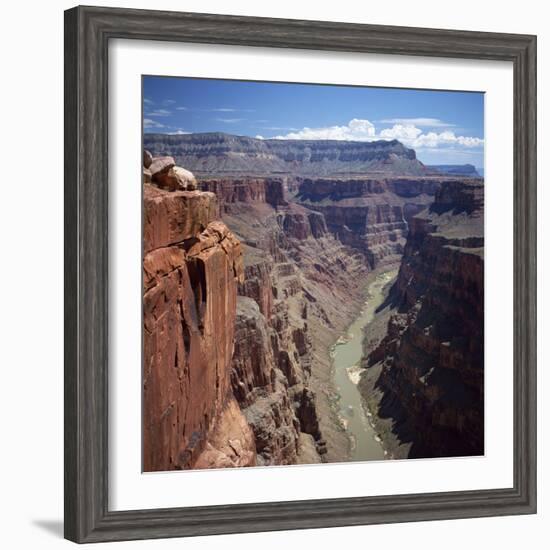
pixel 192 265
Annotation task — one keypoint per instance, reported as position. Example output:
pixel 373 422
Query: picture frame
pixel 87 34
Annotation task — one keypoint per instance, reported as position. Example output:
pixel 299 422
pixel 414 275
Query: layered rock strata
pixel 369 214
pixel 192 266
pixel 424 380
pixel 224 154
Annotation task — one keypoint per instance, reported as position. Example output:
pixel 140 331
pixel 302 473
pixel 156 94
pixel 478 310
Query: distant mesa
pixel 219 153
pixel 464 170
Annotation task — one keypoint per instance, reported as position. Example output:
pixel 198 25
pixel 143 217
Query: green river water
pixel 346 354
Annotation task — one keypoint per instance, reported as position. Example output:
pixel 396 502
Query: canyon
pixel 256 259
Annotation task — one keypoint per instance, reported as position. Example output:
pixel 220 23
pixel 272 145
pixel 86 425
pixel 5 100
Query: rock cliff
pixel 192 266
pixel 424 379
pixel 225 154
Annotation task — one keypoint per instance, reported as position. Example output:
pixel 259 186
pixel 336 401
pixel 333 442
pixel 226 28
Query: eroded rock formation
pixel 425 378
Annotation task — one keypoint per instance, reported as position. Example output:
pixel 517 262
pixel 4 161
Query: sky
pixel 442 127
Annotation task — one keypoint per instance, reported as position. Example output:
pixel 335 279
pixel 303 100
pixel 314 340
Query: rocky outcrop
pixel 369 214
pixel 192 267
pixel 428 383
pixel 225 154
pixel 170 218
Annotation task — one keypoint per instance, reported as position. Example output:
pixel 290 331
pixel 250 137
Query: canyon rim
pixel 313 274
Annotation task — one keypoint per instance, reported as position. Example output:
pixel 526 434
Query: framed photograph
pixel 300 274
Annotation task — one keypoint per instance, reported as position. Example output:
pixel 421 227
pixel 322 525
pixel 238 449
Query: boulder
pixel 176 179
pixel 161 165
pixel 185 179
pixel 147 158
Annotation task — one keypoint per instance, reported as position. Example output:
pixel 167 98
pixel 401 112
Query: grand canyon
pixel 308 301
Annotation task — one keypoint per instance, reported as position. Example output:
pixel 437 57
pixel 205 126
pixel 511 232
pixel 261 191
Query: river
pixel 346 354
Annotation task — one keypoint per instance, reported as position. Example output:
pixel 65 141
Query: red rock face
pixel 246 190
pixel 191 268
pixel 258 285
pixel 432 355
pixel 170 218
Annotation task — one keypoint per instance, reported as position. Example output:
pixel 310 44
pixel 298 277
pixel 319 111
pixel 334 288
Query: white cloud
pixel 171 102
pixel 229 120
pixel 279 128
pixel 364 130
pixel 159 112
pixel 228 110
pixel 356 130
pixel 421 121
pixel 149 123
pixel 447 138
pixel 178 132
pixel 148 101
pixel 401 132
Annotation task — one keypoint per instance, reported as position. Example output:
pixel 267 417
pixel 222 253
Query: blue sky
pixel 442 127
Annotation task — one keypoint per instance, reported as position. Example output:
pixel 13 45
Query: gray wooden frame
pixel 87 34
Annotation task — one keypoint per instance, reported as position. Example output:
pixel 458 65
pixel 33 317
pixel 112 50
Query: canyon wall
pixel 369 214
pixel 224 154
pixel 192 266
pixel 424 379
